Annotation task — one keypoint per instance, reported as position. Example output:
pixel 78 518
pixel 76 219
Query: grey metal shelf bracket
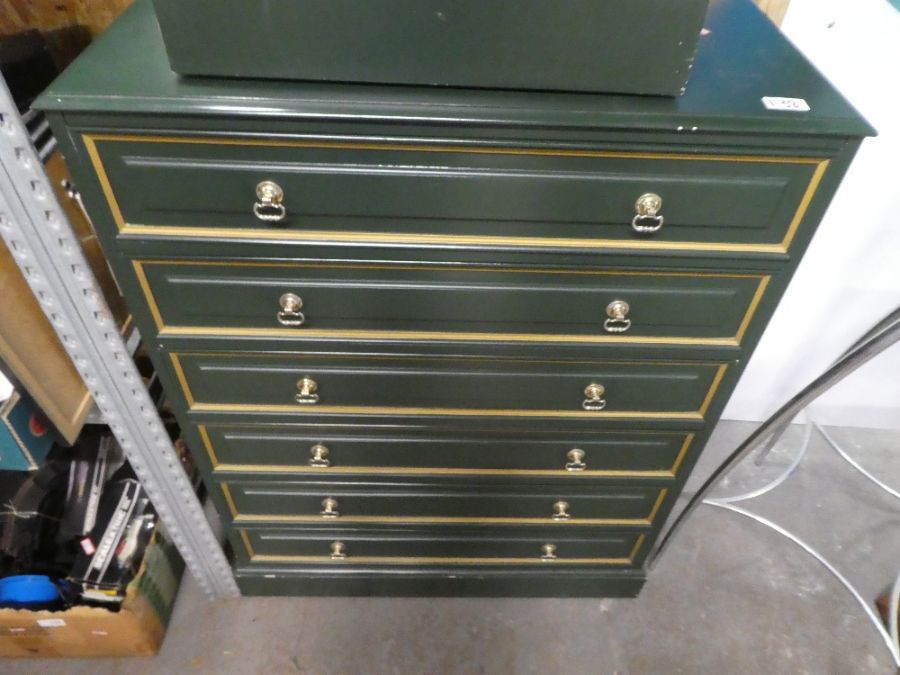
pixel 37 232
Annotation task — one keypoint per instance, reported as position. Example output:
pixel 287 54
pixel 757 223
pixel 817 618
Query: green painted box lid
pixel 617 46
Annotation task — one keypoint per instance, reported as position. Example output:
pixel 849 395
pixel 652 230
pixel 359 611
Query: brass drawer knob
pixel 576 460
pixel 548 553
pixel 561 511
pixel 593 397
pixel 306 391
pixel 337 550
pixel 329 508
pixel 647 219
pixel 319 456
pixel 290 314
pixel 268 206
pixel 617 317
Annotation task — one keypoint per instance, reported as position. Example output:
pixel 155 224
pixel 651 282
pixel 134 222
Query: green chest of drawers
pixel 449 342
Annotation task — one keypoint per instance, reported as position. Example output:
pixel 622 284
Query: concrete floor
pixel 729 597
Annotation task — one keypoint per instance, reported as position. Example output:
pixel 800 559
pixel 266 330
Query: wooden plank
pixel 52 15
pixel 33 353
pixel 775 9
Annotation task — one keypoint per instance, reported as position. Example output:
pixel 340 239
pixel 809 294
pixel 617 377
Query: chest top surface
pixel 742 59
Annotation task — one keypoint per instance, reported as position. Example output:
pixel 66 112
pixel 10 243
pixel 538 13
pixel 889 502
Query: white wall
pixel 6 388
pixel 850 277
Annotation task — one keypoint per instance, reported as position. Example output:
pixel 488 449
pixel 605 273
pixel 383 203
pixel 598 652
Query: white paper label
pixel 788 104
pixel 51 623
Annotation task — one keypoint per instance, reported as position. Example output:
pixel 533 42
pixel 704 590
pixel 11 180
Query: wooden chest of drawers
pixel 428 341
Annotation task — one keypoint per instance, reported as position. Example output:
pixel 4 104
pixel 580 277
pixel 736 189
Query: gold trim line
pixel 254 557
pixel 90 142
pixel 176 331
pixel 224 468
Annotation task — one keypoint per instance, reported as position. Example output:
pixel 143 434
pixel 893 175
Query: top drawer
pixel 476 195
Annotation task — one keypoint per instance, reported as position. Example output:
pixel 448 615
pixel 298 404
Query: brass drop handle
pixel 290 314
pixel 593 397
pixel 647 219
pixel 576 460
pixel 548 553
pixel 617 317
pixel 337 550
pixel 319 456
pixel 306 391
pixel 329 508
pixel 268 206
pixel 561 511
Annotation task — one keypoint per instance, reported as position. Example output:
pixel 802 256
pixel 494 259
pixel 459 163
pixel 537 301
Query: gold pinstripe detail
pixel 90 143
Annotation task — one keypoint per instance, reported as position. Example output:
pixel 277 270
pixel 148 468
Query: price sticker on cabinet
pixel 786 104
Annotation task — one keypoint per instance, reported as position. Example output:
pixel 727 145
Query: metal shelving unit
pixel 36 230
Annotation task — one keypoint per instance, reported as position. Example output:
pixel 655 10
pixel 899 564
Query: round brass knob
pixel 268 206
pixel 306 391
pixel 617 317
pixel 647 219
pixel 329 508
pixel 561 511
pixel 576 460
pixel 548 552
pixel 337 550
pixel 319 456
pixel 593 397
pixel 290 314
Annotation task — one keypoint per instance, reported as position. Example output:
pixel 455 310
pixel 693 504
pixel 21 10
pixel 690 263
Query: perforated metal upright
pixel 38 234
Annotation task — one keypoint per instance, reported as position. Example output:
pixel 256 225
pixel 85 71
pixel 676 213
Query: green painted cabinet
pixel 431 341
pixel 631 46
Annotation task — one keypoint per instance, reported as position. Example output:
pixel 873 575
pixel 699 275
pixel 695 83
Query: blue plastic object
pixel 28 591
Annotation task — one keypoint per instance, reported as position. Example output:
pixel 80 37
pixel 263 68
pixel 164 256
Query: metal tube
pixel 47 251
pixel 886 336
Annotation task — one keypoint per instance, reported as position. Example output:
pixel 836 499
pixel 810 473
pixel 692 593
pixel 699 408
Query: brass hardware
pixel 548 553
pixel 319 457
pixel 268 206
pixel 290 314
pixel 561 511
pixel 337 550
pixel 593 397
pixel 306 391
pixel 329 508
pixel 647 209
pixel 617 313
pixel 576 460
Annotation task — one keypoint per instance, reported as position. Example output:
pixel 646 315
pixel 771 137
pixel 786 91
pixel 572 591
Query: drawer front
pixel 324 383
pixel 268 448
pixel 453 545
pixel 432 501
pixel 366 191
pixel 454 303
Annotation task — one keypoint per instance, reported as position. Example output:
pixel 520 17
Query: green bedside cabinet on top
pixel 627 46
pixel 427 341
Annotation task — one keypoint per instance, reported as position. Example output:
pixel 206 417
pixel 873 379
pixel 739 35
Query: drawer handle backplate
pixel 329 508
pixel 561 511
pixel 576 460
pixel 290 314
pixel 319 456
pixel 306 392
pixel 548 553
pixel 268 206
pixel 617 317
pixel 647 219
pixel 593 397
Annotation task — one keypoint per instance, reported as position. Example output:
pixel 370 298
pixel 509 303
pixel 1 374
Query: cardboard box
pixel 137 629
